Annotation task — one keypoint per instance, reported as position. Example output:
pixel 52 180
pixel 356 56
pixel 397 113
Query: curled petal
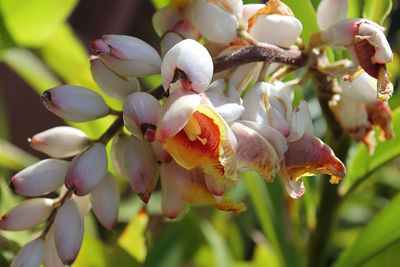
pixel 230 112
pixel 191 58
pixel 254 153
pixel 68 231
pixel 118 150
pixel 381 115
pixel 310 156
pixel 30 255
pixel 60 142
pixel 250 9
pixel 141 115
pixel 142 166
pixel 87 170
pixel 331 11
pixel 105 201
pixel 40 178
pixel 295 189
pixel 110 82
pixel 75 103
pixel 27 214
pixel 127 55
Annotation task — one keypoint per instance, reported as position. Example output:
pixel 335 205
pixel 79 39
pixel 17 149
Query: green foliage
pixel 304 11
pixel 377 10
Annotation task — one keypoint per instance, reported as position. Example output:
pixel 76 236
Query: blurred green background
pixel 45 43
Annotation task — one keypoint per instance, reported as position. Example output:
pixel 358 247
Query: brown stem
pixel 112 130
pixel 256 53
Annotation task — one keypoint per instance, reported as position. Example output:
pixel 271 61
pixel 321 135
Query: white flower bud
pixel 75 103
pixel 40 178
pixel 191 58
pixel 217 20
pixel 265 29
pixel 51 258
pixel 230 112
pixel 87 170
pixel 141 115
pixel 142 167
pixel 117 154
pixel 60 142
pixel 361 89
pixel 165 18
pixel 127 55
pixel 68 231
pixel 27 214
pixel 331 11
pixel 111 83
pixel 31 255
pixel 105 201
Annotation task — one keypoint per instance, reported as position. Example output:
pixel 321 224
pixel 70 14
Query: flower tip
pixel 11 186
pixel 46 96
pixel 144 197
pixel 100 46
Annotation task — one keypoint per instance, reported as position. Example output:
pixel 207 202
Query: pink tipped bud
pixel 112 83
pixel 118 150
pixel 331 11
pixel 105 201
pixel 142 167
pixel 27 214
pixel 127 55
pixel 75 103
pixel 68 231
pixel 40 178
pixel 31 255
pixel 141 115
pixel 60 142
pixel 193 60
pixel 87 170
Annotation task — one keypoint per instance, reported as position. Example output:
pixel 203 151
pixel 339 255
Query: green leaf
pixel 377 10
pixel 379 234
pixel 354 8
pixel 92 253
pixel 32 22
pixel 133 240
pixel 160 3
pixel 363 165
pixel 14 158
pixel 304 11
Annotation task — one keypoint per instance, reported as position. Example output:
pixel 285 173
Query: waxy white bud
pixel 117 154
pixel 68 231
pixel 142 167
pixel 141 115
pixel 217 20
pixel 111 83
pixel 27 214
pixel 31 255
pixel 51 258
pixel 191 58
pixel 361 89
pixel 40 178
pixel 75 103
pixel 331 11
pixel 127 55
pixel 60 142
pixel 105 201
pixel 87 170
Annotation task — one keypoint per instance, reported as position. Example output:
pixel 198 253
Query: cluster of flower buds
pixel 212 126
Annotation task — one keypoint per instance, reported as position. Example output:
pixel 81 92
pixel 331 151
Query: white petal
pixel 68 231
pixel 193 59
pixel 168 41
pixel 301 122
pixel 244 75
pixel 331 11
pixel 383 52
pixel 250 9
pixel 31 255
pixel 60 142
pixel 348 112
pixel 295 189
pixel 342 33
pixel 40 178
pixel 105 201
pixel 165 18
pixel 87 170
pixel 75 103
pixel 221 92
pixel 112 83
pixel 83 203
pixel 230 112
pixel 128 56
pixel 361 89
pixel 27 214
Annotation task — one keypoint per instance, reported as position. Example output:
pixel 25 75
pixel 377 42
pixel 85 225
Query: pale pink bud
pixel 75 103
pixel 110 82
pixel 60 142
pixel 31 255
pixel 217 20
pixel 265 29
pixel 142 166
pixel 27 214
pixel 51 258
pixel 118 149
pixel 87 170
pixel 141 115
pixel 40 178
pixel 105 201
pixel 191 58
pixel 68 231
pixel 331 11
pixel 127 55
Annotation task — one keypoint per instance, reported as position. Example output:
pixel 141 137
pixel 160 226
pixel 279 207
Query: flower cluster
pixel 212 119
